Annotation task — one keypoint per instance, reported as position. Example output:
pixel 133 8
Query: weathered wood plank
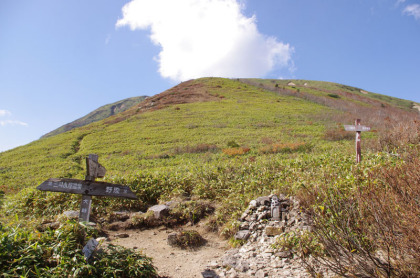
pixel 93 168
pixel 91 188
pixel 356 128
pixel 89 248
pixel 85 208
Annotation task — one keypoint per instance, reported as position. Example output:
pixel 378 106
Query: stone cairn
pixel 265 219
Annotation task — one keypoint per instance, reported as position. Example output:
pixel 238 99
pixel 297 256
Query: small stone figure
pixel 275 208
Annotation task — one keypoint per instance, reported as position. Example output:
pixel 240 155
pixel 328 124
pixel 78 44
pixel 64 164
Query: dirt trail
pixel 170 261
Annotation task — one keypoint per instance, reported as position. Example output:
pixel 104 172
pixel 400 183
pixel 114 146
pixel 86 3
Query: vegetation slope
pixel 229 141
pixel 98 114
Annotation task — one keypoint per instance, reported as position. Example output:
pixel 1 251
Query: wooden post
pixel 91 171
pixel 88 187
pixel 358 128
pixel 358 142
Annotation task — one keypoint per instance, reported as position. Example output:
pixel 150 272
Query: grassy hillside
pixel 229 141
pixel 237 112
pixel 98 114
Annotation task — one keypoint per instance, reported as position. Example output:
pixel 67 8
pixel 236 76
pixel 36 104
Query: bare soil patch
pixel 172 261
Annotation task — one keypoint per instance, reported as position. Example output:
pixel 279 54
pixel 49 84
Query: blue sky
pixel 59 60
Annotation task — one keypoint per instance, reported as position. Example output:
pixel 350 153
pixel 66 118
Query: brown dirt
pixel 172 261
pixel 186 92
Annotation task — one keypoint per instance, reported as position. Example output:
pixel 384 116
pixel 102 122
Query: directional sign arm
pixel 87 188
pixel 356 128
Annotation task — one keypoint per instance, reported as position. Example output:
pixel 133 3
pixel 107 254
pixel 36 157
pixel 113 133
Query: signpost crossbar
pixel 88 187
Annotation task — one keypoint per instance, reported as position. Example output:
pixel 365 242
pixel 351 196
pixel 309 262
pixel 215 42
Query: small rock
pixel 209 274
pixel 263 215
pixel 273 231
pixel 122 235
pixel 260 274
pixel 261 208
pixel 262 201
pixel 213 264
pixel 243 266
pixel 159 211
pixel 172 204
pixel 252 204
pixel 71 214
pixel 242 235
pixel 284 254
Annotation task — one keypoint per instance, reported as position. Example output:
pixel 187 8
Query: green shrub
pixel 334 95
pixel 233 144
pixel 28 253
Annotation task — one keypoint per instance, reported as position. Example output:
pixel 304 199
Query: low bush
pixel 199 148
pixel 28 253
pixel 186 239
pixel 334 95
pixel 338 134
pixel 286 148
pixel 236 151
pixel 371 230
pixel 233 144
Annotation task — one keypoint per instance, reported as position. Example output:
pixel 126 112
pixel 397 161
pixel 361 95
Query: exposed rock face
pixel 257 258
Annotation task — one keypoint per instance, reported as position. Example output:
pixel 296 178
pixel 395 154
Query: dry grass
pixel 199 148
pixel 285 148
pixel 236 151
pixel 372 230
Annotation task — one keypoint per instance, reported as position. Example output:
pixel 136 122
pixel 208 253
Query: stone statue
pixel 275 208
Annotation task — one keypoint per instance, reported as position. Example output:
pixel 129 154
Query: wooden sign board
pixel 90 247
pixel 90 188
pixel 356 128
pixel 93 168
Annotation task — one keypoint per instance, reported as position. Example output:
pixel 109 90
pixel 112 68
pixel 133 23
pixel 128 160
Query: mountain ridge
pixel 98 114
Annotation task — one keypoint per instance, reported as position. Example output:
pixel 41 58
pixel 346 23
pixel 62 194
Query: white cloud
pixel 4 113
pixel 206 38
pixel 400 2
pixel 413 10
pixel 7 113
pixel 12 122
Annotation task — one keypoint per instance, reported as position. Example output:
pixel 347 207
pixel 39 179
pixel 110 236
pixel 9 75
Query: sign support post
pixel 358 128
pixel 88 187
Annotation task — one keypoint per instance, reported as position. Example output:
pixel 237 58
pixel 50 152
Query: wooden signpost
pixel 358 128
pixel 89 187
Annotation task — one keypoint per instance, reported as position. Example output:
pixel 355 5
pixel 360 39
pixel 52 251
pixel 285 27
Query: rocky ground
pixel 172 261
pixel 264 221
pixel 261 225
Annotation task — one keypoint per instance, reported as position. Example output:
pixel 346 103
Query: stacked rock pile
pixel 265 219
pixel 271 215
